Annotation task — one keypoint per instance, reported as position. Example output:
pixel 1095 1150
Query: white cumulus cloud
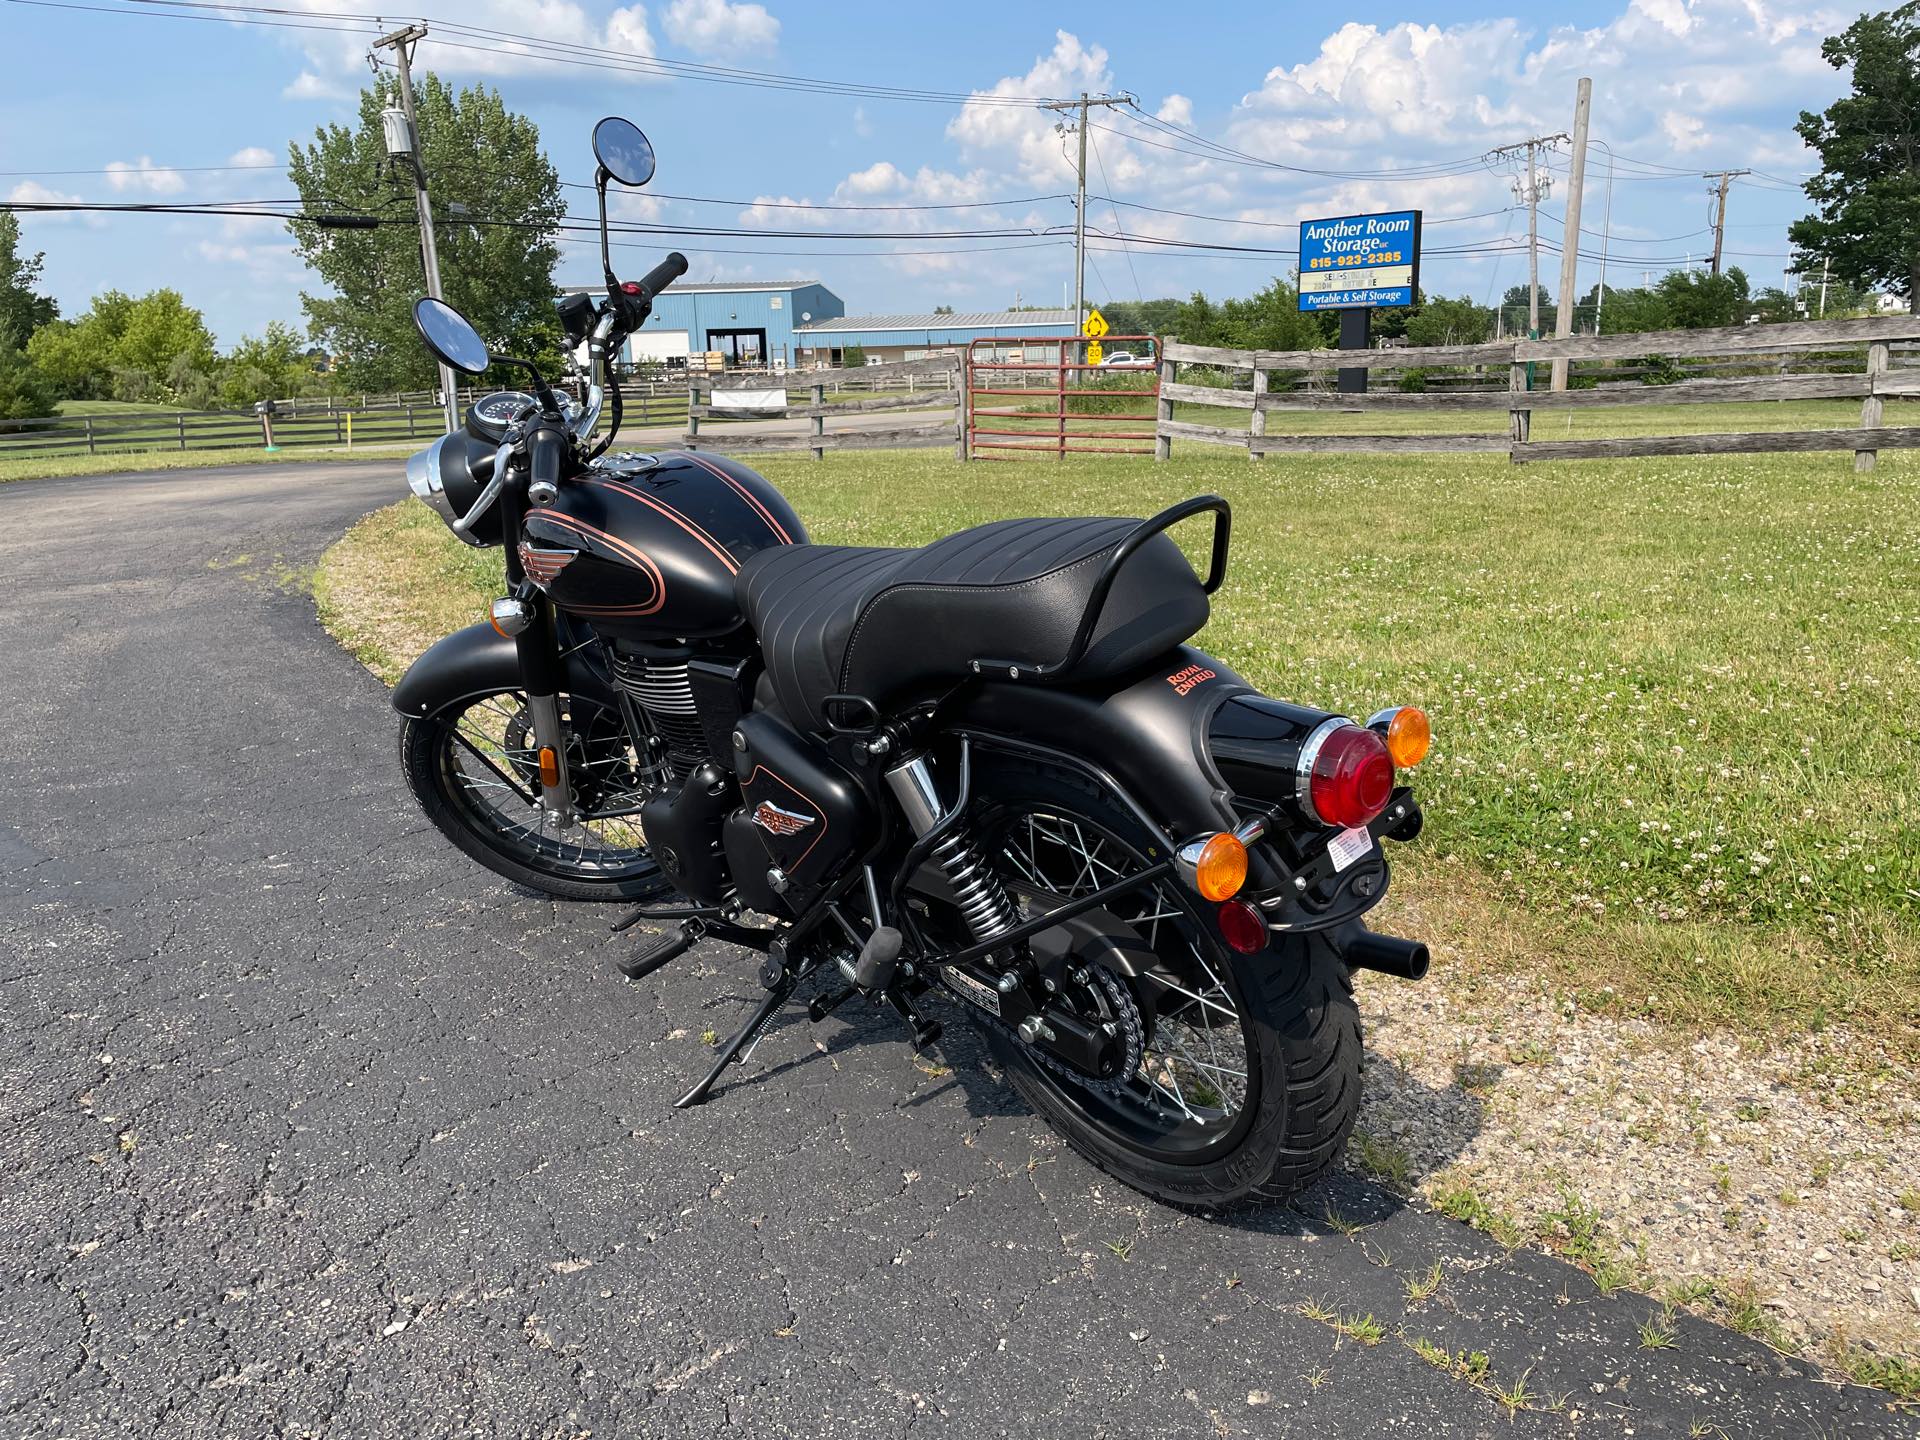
pixel 145 176
pixel 716 27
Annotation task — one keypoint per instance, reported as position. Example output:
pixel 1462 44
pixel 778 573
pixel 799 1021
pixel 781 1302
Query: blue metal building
pixel 747 322
pixel 912 337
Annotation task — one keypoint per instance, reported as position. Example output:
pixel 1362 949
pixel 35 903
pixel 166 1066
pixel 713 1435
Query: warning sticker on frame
pixel 1349 846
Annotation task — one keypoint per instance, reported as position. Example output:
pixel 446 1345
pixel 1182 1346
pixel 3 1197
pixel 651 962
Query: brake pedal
pixel 669 947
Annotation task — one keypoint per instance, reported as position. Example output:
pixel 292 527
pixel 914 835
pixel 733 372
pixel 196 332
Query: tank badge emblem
pixel 543 567
pixel 775 821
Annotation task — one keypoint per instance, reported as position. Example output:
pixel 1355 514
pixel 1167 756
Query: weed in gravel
pixel 1364 1328
pixel 1750 1111
pixel 1122 1249
pixel 1314 1310
pixel 1382 1159
pixel 1421 1288
pixel 1886 1372
pixel 1900 1250
pixel 709 1037
pixel 1689 1291
pixel 1460 1201
pixel 1746 1312
pixel 1430 1352
pixel 1910 1200
pixel 1656 1336
pixel 1575 1231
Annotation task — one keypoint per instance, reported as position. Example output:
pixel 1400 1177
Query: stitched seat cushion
pixel 893 624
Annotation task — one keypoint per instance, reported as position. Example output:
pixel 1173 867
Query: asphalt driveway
pixel 311 1127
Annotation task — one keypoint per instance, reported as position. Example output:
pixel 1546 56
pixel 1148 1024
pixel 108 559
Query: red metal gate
pixel 1051 372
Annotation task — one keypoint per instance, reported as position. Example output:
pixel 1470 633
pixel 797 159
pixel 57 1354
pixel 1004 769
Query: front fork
pixel 542 673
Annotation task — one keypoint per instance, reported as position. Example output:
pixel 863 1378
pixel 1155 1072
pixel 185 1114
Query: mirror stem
pixel 600 178
pixel 548 403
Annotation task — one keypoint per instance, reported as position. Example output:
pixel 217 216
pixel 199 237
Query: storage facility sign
pixel 1355 261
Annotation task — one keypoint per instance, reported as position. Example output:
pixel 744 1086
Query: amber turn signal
pixel 1408 733
pixel 1215 865
pixel 549 767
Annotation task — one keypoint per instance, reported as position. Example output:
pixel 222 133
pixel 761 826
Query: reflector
pixel 1242 927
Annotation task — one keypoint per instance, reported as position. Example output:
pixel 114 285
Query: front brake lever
pixel 491 493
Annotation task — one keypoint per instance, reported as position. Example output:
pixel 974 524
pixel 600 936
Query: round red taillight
pixel 1351 778
pixel 1242 927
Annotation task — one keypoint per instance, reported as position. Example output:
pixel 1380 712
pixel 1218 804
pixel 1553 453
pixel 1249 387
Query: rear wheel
pixel 1248 1078
pixel 474 768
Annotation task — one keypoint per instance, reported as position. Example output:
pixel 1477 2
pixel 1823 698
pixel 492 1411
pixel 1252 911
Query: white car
pixel 1126 359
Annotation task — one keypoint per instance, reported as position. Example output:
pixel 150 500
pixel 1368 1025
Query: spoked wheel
pixel 474 767
pixel 1247 1075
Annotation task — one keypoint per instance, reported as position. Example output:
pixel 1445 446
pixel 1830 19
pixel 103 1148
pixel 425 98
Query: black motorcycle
pixel 989 767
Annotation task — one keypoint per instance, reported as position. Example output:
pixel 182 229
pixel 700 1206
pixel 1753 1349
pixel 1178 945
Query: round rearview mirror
pixel 450 336
pixel 623 151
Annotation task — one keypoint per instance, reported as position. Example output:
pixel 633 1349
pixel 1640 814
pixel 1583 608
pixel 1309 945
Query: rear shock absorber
pixel 983 901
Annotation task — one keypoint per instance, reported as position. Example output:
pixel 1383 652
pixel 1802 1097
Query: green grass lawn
pixel 1550 424
pixel 1674 700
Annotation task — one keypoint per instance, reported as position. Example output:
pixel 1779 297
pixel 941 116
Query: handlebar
pixel 636 297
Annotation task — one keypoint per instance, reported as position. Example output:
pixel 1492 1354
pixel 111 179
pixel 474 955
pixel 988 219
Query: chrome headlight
pixel 427 478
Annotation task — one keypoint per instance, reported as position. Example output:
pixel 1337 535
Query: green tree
pixel 1441 321
pixel 1868 189
pixel 496 255
pixel 1515 306
pixel 25 393
pixel 22 310
pixel 124 348
pixel 266 367
pixel 1696 300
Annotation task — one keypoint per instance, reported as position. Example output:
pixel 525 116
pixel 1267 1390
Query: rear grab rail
pixel 1097 598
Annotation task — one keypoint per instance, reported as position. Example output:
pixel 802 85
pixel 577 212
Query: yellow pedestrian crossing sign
pixel 1096 325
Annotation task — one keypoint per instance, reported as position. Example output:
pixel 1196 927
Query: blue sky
pixel 1680 87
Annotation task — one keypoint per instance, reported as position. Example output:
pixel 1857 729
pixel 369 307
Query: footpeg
pixel 879 958
pixel 669 947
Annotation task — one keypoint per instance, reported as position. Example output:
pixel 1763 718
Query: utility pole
pixel 1080 204
pixel 401 43
pixel 1726 178
pixel 1570 248
pixel 1530 193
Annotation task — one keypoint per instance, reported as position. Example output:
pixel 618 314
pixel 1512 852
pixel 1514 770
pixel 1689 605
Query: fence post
pixel 819 423
pixel 1257 423
pixel 1519 422
pixel 180 419
pixel 961 383
pixel 1060 399
pixel 1163 442
pixel 90 435
pixel 693 412
pixel 409 422
pixel 1873 408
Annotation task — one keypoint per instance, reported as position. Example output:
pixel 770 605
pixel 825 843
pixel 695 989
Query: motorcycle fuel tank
pixel 648 550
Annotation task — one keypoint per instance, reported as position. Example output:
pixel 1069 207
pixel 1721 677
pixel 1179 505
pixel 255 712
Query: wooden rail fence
pixel 1873 381
pixel 935 387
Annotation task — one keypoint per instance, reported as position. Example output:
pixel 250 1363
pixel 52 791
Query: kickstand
pixel 749 1033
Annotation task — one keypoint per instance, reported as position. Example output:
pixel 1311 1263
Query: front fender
pixel 479 660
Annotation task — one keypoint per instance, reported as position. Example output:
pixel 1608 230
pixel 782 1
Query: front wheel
pixel 474 768
pixel 1248 1078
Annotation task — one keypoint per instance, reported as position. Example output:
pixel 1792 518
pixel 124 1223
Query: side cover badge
pixel 775 821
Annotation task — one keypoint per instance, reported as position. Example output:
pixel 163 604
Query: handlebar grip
pixel 663 275
pixel 546 456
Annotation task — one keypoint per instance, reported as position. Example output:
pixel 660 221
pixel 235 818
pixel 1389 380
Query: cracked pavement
pixel 312 1127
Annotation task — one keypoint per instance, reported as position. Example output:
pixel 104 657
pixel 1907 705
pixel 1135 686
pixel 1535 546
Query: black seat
pixel 849 620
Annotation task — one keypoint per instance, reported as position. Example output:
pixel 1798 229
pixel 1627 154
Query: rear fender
pixel 480 660
pixel 1149 737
